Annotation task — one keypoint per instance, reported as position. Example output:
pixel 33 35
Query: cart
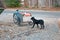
pixel 18 18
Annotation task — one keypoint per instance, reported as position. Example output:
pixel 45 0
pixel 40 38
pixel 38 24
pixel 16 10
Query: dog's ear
pixel 32 18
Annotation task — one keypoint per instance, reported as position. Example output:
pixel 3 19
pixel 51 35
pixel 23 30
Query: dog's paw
pixel 32 27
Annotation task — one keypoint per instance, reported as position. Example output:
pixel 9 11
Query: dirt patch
pixel 58 23
pixel 6 23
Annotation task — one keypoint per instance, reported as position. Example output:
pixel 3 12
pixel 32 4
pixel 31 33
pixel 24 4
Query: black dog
pixel 35 21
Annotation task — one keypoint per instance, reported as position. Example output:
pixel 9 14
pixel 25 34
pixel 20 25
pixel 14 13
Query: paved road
pixel 38 14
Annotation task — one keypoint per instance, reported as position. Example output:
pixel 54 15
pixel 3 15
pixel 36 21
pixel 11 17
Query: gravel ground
pixel 10 31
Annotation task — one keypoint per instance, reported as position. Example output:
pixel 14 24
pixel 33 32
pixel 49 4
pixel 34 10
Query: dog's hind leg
pixel 42 27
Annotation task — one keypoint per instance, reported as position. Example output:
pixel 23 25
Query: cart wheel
pixel 16 20
pixel 30 23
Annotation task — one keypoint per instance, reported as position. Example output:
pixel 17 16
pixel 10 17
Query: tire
pixel 16 19
pixel 30 23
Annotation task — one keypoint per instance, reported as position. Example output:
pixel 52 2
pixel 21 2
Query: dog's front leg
pixel 43 26
pixel 37 26
pixel 33 25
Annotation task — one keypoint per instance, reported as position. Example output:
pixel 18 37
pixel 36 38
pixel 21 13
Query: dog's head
pixel 32 18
